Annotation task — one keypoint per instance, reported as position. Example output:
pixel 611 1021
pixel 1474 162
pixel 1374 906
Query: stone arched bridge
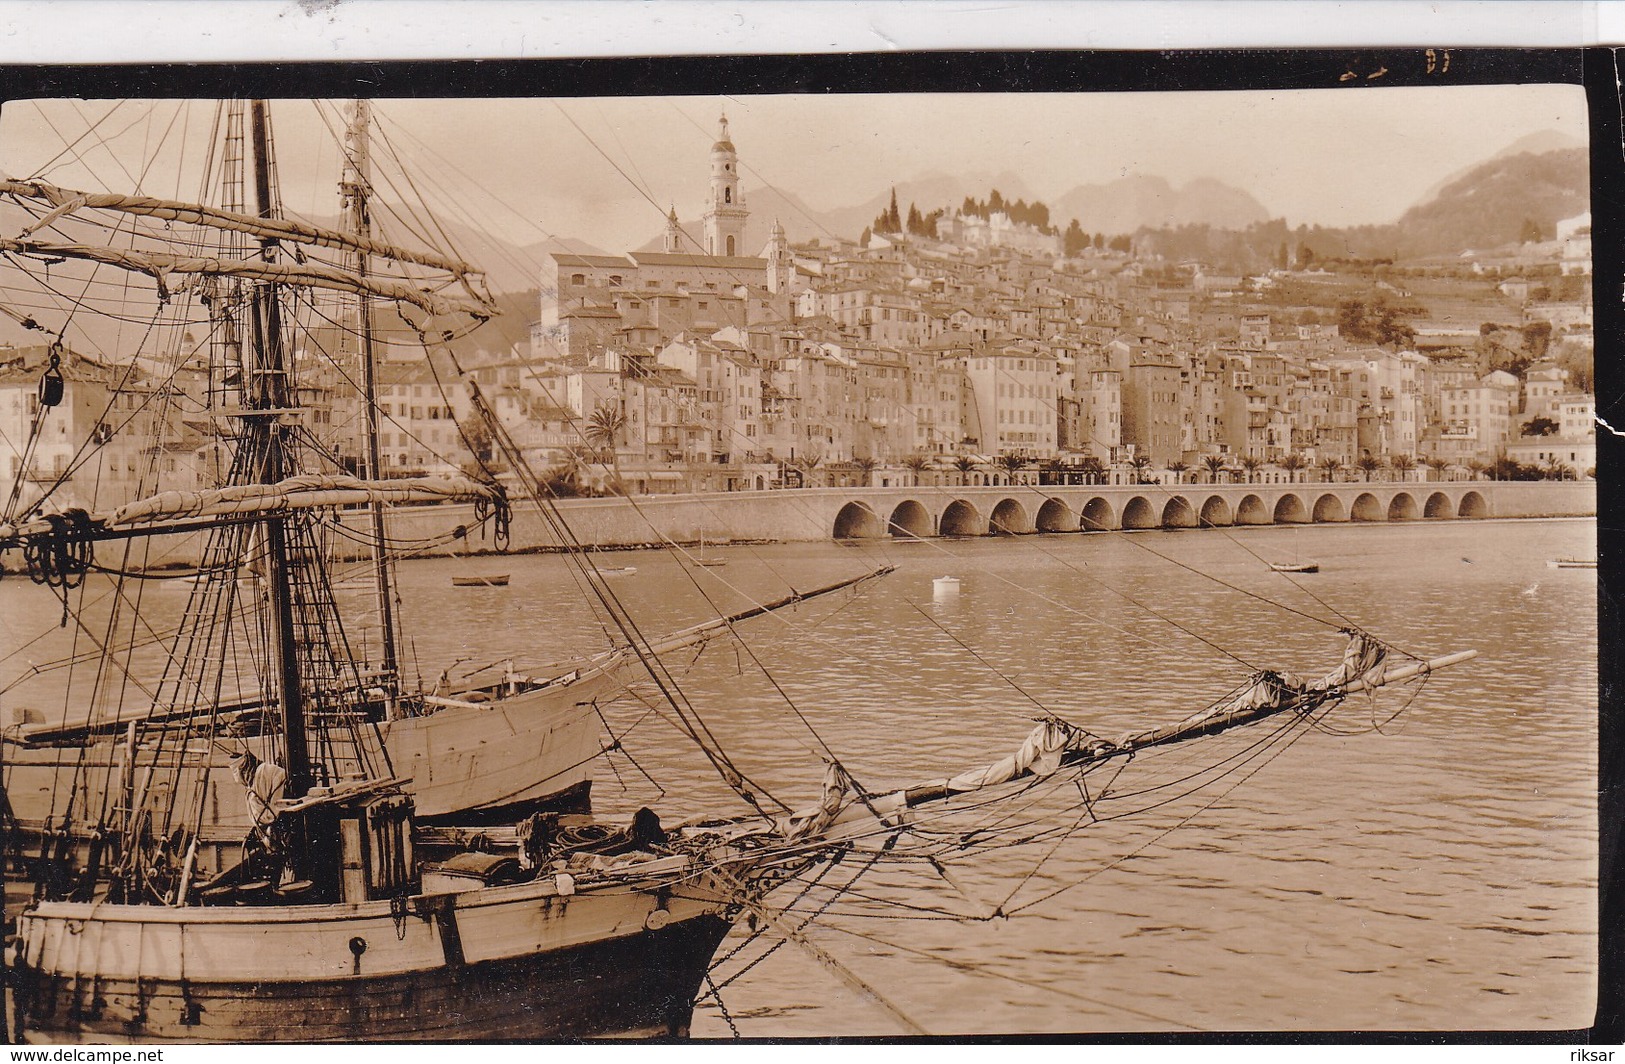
pixel 1017 509
pixel 809 514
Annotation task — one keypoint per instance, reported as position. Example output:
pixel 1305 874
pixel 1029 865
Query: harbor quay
pixel 815 514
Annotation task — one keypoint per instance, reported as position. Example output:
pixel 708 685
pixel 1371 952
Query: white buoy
pixel 943 586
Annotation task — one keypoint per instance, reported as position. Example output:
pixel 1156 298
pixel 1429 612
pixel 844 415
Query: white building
pixel 1012 403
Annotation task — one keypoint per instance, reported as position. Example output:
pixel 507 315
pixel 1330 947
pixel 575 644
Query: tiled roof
pixel 594 261
pixel 716 262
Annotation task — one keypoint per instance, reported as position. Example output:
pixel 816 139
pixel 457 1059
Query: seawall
pixel 810 515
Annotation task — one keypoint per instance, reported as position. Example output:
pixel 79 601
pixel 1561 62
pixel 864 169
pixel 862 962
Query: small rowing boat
pixel 494 580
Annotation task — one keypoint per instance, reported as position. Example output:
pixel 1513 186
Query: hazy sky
pixel 1334 157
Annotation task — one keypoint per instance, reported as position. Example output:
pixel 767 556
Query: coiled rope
pixel 60 558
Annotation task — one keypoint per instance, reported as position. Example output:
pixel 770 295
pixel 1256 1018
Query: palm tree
pixel 1403 464
pixel 1215 466
pixel 1477 468
pixel 1556 470
pixel 866 466
pixel 1438 465
pixel 562 480
pixel 1252 465
pixel 1331 465
pixel 1367 464
pixel 1294 462
pixel 603 430
pixel 917 464
pixel 1141 462
pixel 1013 464
pixel 807 463
pixel 1094 470
pixel 1177 468
pixel 965 463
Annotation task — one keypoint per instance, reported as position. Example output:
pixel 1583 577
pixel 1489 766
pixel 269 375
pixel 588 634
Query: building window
pixel 578 278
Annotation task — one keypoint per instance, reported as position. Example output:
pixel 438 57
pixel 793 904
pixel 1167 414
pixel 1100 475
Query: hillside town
pixel 980 352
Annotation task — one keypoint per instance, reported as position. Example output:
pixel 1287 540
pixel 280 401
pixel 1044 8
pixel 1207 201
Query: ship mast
pixel 271 396
pixel 355 188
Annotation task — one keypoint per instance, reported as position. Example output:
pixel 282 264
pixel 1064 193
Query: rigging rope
pixel 696 727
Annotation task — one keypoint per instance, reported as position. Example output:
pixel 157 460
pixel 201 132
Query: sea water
pixel 1434 869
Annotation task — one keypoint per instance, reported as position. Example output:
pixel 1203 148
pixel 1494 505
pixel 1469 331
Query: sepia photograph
pixel 1100 548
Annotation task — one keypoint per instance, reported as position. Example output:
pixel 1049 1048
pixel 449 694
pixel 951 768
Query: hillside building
pixel 590 303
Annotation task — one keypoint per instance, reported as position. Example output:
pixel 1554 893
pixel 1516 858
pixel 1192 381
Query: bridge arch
pixel 1438 506
pixel 1056 516
pixel 1366 508
pixel 1097 516
pixel 1216 512
pixel 1402 507
pixel 1009 518
pixel 962 519
pixel 1473 505
pixel 910 520
pixel 1289 510
pixel 1139 514
pixel 1177 513
pixel 1330 508
pixel 856 521
pixel 1252 511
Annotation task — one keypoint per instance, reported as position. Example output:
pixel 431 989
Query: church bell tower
pixel 780 267
pixel 674 232
pixel 725 217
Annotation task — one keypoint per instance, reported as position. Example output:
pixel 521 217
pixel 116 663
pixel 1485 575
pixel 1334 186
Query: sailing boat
pixel 329 821
pixel 1296 565
pixel 340 917
pixel 611 570
pixel 709 561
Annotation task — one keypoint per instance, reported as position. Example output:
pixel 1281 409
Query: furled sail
pixel 65 201
pixel 161 265
pixel 304 492
pixel 1055 743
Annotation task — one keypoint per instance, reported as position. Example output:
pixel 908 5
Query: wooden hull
pixel 520 962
